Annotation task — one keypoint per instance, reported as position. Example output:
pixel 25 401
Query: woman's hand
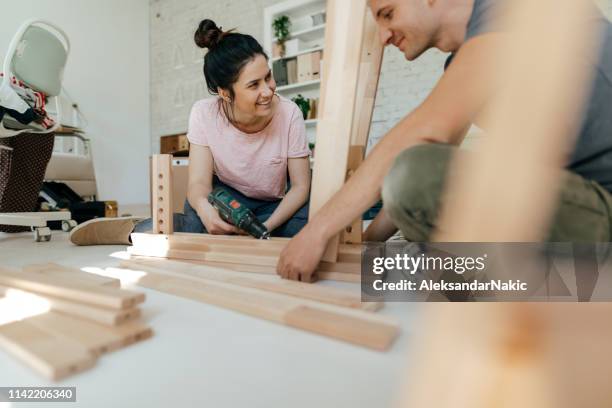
pixel 215 225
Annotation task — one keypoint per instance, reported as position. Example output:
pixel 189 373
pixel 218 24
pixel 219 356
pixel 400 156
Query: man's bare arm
pixel 441 118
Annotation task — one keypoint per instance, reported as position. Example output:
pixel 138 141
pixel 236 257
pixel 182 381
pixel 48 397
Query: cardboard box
pixel 177 145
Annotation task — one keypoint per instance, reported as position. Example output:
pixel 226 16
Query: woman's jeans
pixel 189 221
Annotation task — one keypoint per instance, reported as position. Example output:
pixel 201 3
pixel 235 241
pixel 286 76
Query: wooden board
pixel 76 292
pixel 367 84
pixel 355 326
pixel 111 317
pixel 97 339
pixel 268 270
pixel 343 44
pixel 269 283
pixel 206 247
pixel 72 274
pixel 53 356
pixel 161 194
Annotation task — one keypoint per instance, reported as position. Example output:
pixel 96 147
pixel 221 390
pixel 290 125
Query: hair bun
pixel 208 35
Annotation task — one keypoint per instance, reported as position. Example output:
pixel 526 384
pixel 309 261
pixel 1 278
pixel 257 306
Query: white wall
pixel 107 74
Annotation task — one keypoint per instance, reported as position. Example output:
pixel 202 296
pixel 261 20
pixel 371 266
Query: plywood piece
pixel 343 44
pixel 111 317
pixel 53 356
pixel 271 283
pixel 161 194
pixel 282 309
pixel 72 274
pixel 97 339
pixel 76 292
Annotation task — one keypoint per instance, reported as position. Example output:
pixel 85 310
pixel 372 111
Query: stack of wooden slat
pixel 239 274
pixel 88 315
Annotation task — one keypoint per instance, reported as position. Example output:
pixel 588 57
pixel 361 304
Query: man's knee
pixel 416 178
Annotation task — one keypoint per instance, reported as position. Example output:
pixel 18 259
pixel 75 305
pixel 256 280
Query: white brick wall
pixel 176 63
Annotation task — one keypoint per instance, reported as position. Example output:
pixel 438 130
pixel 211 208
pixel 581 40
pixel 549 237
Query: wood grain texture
pixel 111 317
pixel 74 274
pixel 161 194
pixel 210 248
pixel 73 291
pixel 97 339
pixel 343 44
pixel 278 308
pixel 51 355
pixel 271 283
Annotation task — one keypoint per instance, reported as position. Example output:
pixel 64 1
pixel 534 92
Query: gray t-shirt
pixel 592 156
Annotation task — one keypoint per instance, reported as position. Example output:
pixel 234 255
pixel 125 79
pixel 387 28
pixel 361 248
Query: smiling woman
pixel 245 139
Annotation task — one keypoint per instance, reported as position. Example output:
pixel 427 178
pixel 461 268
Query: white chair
pixel 37 56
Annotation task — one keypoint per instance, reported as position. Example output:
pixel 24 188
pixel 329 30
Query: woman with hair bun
pixel 246 139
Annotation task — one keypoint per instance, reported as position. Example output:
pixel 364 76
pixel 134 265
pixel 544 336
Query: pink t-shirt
pixel 253 163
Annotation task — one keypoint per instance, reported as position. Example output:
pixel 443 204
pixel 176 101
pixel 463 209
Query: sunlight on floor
pixel 126 276
pixel 18 305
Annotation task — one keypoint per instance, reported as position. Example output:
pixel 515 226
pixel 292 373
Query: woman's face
pixel 254 89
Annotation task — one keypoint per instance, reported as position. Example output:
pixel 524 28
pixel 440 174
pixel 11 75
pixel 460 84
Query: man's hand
pixel 300 258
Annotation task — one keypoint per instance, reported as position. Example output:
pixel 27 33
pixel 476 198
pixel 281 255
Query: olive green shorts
pixel 412 189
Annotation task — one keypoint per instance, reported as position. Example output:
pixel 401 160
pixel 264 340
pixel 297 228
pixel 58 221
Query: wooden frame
pixel 161 194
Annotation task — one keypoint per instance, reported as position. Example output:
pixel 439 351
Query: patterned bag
pixel 22 171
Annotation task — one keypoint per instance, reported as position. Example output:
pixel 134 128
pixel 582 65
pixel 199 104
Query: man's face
pixel 408 24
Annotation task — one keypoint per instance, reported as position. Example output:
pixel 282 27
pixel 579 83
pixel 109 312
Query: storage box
pixel 293 46
pixel 177 145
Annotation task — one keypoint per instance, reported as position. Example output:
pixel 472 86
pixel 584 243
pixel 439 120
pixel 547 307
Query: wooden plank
pixel 353 233
pixel 97 339
pixel 508 191
pixel 367 84
pixel 61 288
pixel 208 247
pixel 74 274
pixel 334 276
pixel 271 283
pixel 53 356
pixel 269 262
pixel 161 193
pixel 283 309
pixel 100 315
pixel 343 42
pixel 247 243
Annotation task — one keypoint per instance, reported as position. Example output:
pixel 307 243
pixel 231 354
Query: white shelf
pixel 308 34
pixel 299 85
pixel 298 53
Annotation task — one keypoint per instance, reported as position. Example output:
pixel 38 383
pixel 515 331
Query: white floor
pixel 202 355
